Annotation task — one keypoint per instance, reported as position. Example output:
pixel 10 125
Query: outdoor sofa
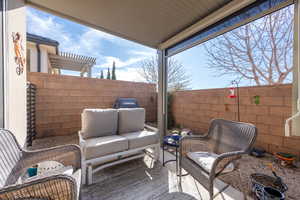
pixel 113 136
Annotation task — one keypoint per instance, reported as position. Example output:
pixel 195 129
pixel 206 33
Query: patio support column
pixel 2 11
pixel 89 72
pixel 162 93
pixel 296 68
pixel 15 69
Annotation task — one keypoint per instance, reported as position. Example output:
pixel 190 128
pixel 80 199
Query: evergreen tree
pixel 113 75
pixel 101 75
pixel 108 74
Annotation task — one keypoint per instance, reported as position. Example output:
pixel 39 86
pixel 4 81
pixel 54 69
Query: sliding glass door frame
pixel 2 56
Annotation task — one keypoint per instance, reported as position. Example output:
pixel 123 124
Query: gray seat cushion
pixel 131 120
pixel 141 138
pixel 101 146
pixel 99 122
pixel 206 160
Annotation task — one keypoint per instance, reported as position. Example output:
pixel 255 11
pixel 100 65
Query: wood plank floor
pixel 142 179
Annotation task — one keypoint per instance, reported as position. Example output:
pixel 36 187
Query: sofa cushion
pixel 206 159
pixel 141 138
pixel 101 146
pixel 131 120
pixel 99 122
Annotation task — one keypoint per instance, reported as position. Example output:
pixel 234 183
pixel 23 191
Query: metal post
pixel 295 119
pixel 2 6
pixel 162 93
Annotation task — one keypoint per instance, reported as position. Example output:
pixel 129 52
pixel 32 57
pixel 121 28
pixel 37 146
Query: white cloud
pixel 47 27
pixel 129 74
pixel 92 39
pixel 108 60
pixel 134 58
pixel 89 43
pixel 96 35
pixel 149 53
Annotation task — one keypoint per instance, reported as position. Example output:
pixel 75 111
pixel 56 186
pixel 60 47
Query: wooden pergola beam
pixel 74 62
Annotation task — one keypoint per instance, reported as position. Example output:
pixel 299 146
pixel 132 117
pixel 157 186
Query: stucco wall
pixel 61 99
pixel 15 85
pixel 195 109
pixel 33 57
pixel 44 51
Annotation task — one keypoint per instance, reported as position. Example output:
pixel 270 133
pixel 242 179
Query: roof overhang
pixel 41 40
pixel 156 23
pixel 150 23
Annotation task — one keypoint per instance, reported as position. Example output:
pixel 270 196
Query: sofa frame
pixel 88 168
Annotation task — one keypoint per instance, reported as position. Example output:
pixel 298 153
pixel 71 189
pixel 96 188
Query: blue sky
pixel 195 62
pixel 79 39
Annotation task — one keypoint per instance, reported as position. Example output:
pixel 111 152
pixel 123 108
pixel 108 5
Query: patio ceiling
pixel 147 22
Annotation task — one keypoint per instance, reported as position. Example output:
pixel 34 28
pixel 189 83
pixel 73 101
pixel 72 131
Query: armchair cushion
pixel 99 122
pixel 206 160
pixel 131 120
pixel 141 138
pixel 97 147
pixel 67 170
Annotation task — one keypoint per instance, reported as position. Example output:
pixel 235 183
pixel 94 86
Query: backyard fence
pixel 265 106
pixel 61 99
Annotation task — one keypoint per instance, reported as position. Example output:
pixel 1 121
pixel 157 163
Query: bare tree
pixel 260 51
pixel 178 78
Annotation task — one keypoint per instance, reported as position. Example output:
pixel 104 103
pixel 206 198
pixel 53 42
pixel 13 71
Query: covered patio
pixel 170 27
pixel 144 179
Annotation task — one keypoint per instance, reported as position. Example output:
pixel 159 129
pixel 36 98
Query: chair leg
pixel 157 152
pixel 89 174
pixel 211 190
pixel 80 195
pixel 180 175
pixel 83 177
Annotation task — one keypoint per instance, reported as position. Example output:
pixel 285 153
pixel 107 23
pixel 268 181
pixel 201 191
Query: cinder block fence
pixel 194 109
pixel 61 99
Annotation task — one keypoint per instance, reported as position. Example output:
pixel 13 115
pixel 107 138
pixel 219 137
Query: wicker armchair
pixel 227 140
pixel 15 161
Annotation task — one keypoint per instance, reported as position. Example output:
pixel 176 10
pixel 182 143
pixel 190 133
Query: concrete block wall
pixel 196 108
pixel 61 99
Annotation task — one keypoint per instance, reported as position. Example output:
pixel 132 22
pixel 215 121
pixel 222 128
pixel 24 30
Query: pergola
pixel 69 61
pixel 170 26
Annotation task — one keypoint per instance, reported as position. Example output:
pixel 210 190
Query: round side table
pixel 171 141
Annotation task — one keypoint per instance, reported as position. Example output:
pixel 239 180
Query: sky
pixel 82 40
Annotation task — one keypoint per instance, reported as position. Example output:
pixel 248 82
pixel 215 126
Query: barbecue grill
pixel 126 103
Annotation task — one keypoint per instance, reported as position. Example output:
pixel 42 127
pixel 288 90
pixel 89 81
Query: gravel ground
pixel 248 165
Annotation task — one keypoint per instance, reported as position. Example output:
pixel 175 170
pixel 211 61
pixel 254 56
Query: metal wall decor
pixel 20 59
